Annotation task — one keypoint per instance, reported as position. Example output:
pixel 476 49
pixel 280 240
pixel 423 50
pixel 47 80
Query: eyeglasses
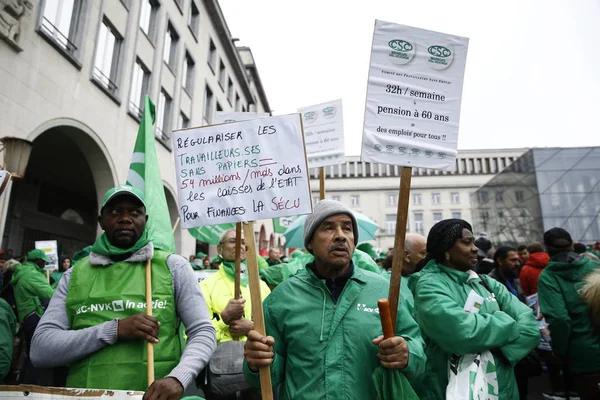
pixel 232 241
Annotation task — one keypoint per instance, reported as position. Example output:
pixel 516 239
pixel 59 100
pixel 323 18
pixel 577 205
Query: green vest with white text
pixel 103 293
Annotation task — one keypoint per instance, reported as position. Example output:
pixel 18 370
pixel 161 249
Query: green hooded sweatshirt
pixel 571 330
pixel 440 296
pixel 31 289
pixel 322 348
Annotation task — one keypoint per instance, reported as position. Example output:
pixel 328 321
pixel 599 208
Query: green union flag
pixel 210 234
pixel 281 224
pixel 144 174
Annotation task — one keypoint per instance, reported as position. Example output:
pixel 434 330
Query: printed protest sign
pixel 50 248
pixel 225 117
pixel 242 171
pixel 324 132
pixel 413 97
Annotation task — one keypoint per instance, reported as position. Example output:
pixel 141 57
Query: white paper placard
pixel 30 392
pixel 324 132
pixel 50 248
pixel 225 117
pixel 242 171
pixel 413 97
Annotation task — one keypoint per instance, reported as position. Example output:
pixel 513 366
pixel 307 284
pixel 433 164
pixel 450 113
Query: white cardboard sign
pixel 414 95
pixel 226 117
pixel 241 171
pixel 324 132
pixel 50 248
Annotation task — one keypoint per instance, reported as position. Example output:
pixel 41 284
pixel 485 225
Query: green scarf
pixel 103 247
pixel 229 268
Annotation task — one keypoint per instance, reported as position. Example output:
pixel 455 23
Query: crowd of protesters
pixel 521 309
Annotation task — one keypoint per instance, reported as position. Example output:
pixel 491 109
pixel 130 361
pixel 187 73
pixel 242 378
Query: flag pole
pixel 149 312
pixel 322 183
pixel 397 261
pixel 175 225
pixel 266 387
pixel 238 261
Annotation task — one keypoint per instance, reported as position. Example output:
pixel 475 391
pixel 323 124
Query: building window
pixel 455 197
pixel 212 55
pixel 499 196
pixel 139 88
pixel 355 200
pixel 106 62
pixel 419 228
pixel 208 104
pixel 187 75
pixel 392 199
pixel 60 22
pixel 222 74
pixel 237 104
pixel 184 122
pixel 230 91
pixel 417 200
pixel 435 198
pixel 170 49
pixel 484 216
pixel 148 18
pixel 163 119
pixel 456 215
pixel 336 198
pixel 219 108
pixel 437 217
pixel 519 195
pixel 194 19
pixel 390 223
pixel 483 196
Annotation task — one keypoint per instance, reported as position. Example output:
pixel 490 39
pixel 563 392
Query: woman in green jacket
pixel 501 323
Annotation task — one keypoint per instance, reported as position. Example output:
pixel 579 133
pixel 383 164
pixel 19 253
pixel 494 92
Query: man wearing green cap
pixel 32 293
pixel 96 323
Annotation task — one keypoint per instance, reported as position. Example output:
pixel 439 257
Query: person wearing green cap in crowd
pixel 198 263
pixel 96 322
pixel 32 293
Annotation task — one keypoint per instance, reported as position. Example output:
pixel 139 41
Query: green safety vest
pixel 98 294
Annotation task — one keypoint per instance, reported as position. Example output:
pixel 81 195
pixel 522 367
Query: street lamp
pixel 16 155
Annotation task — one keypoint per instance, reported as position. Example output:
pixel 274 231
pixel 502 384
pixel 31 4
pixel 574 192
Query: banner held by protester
pixel 240 172
pixel 412 112
pixel 324 131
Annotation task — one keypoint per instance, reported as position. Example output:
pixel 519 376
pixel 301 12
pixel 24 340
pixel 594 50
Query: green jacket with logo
pixel 440 296
pixel 573 336
pixel 98 294
pixel 31 289
pixel 323 348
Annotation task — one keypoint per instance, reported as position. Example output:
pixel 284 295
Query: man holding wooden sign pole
pixel 324 333
pixel 96 321
pixel 241 172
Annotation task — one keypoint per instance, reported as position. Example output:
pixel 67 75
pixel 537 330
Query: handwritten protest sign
pixel 242 171
pixel 413 97
pixel 225 117
pixel 324 131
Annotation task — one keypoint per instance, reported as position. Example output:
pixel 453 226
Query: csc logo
pixel 400 45
pixel 439 51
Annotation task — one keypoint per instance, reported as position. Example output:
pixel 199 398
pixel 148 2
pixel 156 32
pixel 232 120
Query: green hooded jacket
pixel 322 348
pixel 31 289
pixel 8 330
pixel 573 336
pixel 440 296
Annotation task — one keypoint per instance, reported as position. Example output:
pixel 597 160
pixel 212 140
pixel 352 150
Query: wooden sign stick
pixel 175 225
pixel 397 261
pixel 149 312
pixel 321 183
pixel 238 261
pixel 266 387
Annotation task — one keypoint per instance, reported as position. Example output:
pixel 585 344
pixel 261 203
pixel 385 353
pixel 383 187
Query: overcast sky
pixel 533 66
